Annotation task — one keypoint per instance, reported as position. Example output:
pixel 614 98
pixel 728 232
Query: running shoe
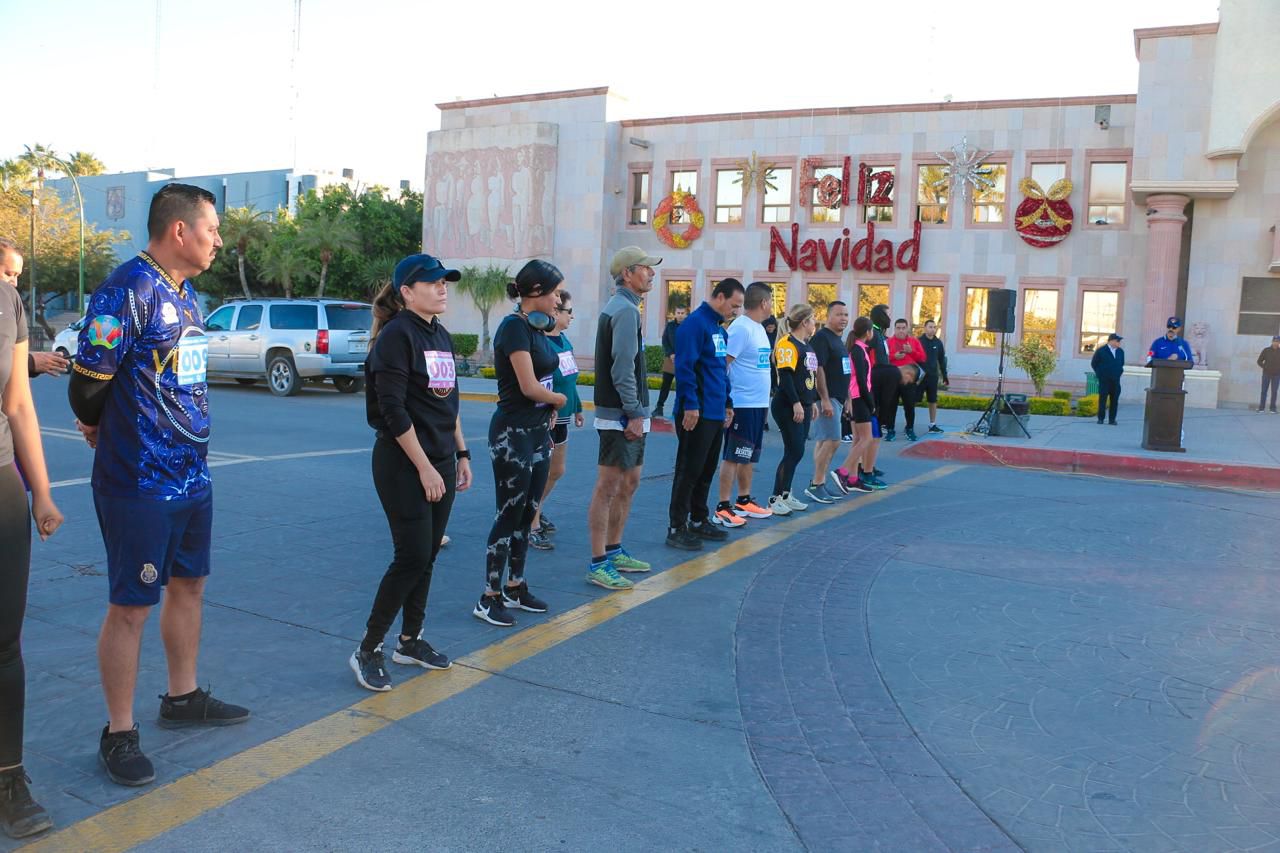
pixel 605 575
pixel 418 652
pixel 794 502
pixel 935 428
pixel 778 506
pixel 831 492
pixel 445 540
pixel 491 609
pixel 548 526
pixel 20 815
pixel 120 754
pixel 911 435
pixel 199 708
pixel 624 562
pixel 890 434
pixel 519 598
pixel 706 530
pixel 747 508
pixel 370 669
pixel 836 481
pixel 684 538
pixel 726 517
pixel 817 494
pixel 859 485
pixel 540 541
pixel 876 483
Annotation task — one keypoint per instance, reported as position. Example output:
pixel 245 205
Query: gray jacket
pixel 622 386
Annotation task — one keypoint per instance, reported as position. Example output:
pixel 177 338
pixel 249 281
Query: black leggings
pixel 416 527
pixel 885 385
pixel 521 458
pixel 794 435
pixel 15 569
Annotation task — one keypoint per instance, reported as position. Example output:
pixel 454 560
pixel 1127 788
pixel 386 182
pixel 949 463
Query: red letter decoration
pixel 1044 219
pixel 874 187
pixel 778 247
pixel 914 245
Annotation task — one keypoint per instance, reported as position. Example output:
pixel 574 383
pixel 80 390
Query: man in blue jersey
pixel 139 395
pixel 1172 345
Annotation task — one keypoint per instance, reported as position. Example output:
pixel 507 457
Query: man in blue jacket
pixel 703 409
pixel 1108 364
pixel 1172 345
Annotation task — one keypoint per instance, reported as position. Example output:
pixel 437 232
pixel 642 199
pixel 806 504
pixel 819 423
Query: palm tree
pixel 376 271
pixel 15 174
pixel 283 262
pixel 83 163
pixel 327 235
pixel 245 227
pixel 486 288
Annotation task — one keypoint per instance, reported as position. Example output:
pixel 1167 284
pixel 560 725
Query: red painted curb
pixel 1171 470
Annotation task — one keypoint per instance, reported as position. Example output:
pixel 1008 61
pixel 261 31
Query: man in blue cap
pixel 1171 345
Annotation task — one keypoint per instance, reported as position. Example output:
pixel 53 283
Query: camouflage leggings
pixel 521 458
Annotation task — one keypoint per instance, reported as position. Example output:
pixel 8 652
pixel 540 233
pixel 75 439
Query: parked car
pixel 66 342
pixel 289 341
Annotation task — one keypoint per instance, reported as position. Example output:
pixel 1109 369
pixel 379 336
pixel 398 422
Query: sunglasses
pixel 568 311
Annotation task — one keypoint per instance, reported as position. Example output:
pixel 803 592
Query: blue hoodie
pixel 702 379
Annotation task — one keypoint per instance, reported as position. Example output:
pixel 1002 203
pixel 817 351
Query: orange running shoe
pixel 750 509
pixel 726 518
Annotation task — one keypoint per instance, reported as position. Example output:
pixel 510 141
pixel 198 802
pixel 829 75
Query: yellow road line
pixel 141 819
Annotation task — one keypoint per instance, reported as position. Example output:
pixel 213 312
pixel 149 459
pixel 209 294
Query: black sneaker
pixel 859 485
pixel 683 538
pixel 20 815
pixel 911 435
pixel 418 652
pixel 539 540
pixel 491 609
pixel 657 413
pixel 547 526
pixel 935 428
pixel 890 435
pixel 706 530
pixel 199 709
pixel 519 598
pixel 371 669
pixel 120 754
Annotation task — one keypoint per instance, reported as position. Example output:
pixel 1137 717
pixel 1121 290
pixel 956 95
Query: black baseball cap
pixel 1114 337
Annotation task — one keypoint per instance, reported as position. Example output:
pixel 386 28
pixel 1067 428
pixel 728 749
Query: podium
pixel 1166 400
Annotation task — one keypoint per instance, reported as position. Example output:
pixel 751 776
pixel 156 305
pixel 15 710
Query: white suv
pixel 286 341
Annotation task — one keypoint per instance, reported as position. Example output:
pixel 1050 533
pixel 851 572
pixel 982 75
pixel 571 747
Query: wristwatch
pixel 462 454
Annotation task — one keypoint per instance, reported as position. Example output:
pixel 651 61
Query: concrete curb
pixel 655 424
pixel 1171 470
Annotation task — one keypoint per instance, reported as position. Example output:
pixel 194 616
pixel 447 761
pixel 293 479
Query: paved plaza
pixel 978 658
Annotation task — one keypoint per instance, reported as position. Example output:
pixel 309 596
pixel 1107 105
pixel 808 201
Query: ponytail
pixel 387 304
pixel 796 317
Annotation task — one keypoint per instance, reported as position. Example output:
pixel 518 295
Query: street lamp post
pixel 80 202
pixel 31 268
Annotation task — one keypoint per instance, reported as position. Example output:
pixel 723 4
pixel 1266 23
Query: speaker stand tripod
pixel 999 402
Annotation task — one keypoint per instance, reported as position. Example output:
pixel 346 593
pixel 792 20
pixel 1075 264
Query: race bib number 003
pixel 441 372
pixel 568 364
pixel 193 359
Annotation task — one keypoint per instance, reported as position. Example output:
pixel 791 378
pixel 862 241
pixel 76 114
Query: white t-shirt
pixel 749 373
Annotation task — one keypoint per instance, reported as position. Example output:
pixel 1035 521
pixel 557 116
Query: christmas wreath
pixel 663 215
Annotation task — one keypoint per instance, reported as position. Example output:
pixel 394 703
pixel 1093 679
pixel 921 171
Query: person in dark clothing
pixel 1108 365
pixel 520 438
pixel 771 329
pixel 703 407
pixel 886 380
pixel 668 357
pixel 1269 361
pixel 795 404
pixel 935 369
pixel 420 458
pixel 905 351
pixel 565 381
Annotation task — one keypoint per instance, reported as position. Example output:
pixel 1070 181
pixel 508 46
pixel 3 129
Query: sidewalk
pixel 1224 447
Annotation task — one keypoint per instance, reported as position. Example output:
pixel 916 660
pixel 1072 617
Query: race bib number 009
pixel 846 366
pixel 762 358
pixel 722 348
pixel 193 359
pixel 441 372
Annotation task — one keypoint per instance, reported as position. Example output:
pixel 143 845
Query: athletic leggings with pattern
pixel 521 458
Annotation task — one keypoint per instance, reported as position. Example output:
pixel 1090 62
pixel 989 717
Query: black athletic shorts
pixel 861 411
pixel 560 433
pixel 928 387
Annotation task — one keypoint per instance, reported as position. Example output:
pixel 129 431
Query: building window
pixel 975 319
pixel 871 295
pixel 639 198
pixel 685 181
pixel 777 201
pixel 679 295
pixel 729 196
pixel 820 212
pixel 988 204
pixel 779 299
pixel 819 297
pixel 1099 317
pixel 1259 307
pixel 926 305
pixel 880 213
pixel 932 191
pixel 1048 174
pixel 1040 316
pixel 1107 193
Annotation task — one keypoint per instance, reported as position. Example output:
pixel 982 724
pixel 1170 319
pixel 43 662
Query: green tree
pixel 284 260
pixel 374 273
pixel 84 164
pixel 326 235
pixel 41 158
pixel 245 228
pixel 15 174
pixel 384 226
pixel 1033 358
pixel 487 288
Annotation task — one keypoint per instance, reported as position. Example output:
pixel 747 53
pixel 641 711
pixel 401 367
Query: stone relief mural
pixel 492 202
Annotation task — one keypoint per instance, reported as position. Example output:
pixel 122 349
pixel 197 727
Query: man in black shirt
pixel 669 357
pixel 935 366
pixel 833 389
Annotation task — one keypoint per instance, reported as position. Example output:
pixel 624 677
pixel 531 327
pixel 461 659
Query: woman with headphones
pixel 520 438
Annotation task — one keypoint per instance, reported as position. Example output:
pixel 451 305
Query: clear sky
pixel 216 90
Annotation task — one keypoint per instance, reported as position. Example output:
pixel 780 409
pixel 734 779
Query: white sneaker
pixel 444 540
pixel 778 505
pixel 790 500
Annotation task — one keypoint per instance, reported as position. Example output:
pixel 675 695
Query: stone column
pixel 1164 249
